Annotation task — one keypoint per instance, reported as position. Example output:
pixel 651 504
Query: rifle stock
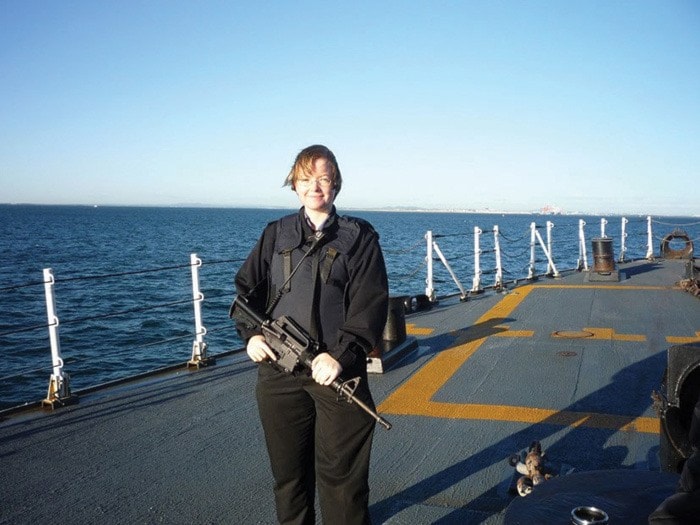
pixel 295 348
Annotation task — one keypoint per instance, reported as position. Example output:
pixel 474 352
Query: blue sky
pixel 591 106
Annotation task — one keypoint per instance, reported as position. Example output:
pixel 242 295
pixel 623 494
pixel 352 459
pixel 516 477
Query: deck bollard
pixel 395 327
pixel 395 343
pixel 603 257
pixel 603 261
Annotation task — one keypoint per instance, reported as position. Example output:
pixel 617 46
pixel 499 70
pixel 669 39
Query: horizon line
pixel 388 209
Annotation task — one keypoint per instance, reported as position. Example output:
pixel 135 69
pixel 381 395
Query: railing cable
pixel 124 312
pixel 20 286
pixel 20 373
pixel 120 274
pixel 25 329
pixel 407 250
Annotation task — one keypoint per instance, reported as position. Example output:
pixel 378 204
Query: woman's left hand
pixel 325 369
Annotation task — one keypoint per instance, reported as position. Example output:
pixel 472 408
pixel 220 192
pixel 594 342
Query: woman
pixel 327 273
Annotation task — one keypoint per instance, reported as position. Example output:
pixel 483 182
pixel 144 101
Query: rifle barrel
pixel 343 389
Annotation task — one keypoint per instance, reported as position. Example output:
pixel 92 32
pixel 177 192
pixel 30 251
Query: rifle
pixel 296 349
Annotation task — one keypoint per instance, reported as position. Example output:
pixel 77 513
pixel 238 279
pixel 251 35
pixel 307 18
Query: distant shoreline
pixel 388 209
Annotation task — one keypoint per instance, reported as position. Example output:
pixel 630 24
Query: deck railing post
pixel 429 289
pixel 650 246
pixel 199 347
pixel 476 282
pixel 59 383
pixel 603 223
pixel 531 267
pixel 582 258
pixel 550 265
pixel 463 294
pixel 547 253
pixel 623 240
pixel 498 284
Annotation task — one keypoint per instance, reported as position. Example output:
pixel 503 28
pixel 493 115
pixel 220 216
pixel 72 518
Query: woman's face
pixel 316 190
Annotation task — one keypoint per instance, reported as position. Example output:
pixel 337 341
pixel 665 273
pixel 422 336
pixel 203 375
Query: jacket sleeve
pixel 367 302
pixel 252 278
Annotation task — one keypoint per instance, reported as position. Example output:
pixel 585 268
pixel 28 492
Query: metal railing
pixel 536 239
pixel 488 259
pixel 59 390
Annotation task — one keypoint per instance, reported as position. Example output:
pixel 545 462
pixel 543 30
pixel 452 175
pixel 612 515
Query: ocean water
pixel 123 287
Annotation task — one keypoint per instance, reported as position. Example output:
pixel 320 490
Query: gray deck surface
pixel 495 373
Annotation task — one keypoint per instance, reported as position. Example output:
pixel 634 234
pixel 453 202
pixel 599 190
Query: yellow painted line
pixel 606 334
pixel 412 329
pixel 683 340
pixel 507 332
pixel 421 387
pixel 529 415
pixel 605 287
pixel 414 397
pixel 609 334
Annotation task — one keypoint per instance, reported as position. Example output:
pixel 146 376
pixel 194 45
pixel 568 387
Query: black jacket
pixel 347 307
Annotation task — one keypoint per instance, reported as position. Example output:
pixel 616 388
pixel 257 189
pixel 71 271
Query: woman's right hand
pixel 258 349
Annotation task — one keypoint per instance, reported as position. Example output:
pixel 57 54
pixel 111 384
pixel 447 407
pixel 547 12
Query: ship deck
pixel 571 362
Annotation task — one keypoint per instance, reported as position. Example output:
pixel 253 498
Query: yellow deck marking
pixel 520 414
pixel 606 334
pixel 611 335
pixel 683 340
pixel 414 397
pixel 412 329
pixel 606 286
pixel 514 333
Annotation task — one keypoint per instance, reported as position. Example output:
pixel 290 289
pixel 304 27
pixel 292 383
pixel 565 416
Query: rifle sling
pixel 322 270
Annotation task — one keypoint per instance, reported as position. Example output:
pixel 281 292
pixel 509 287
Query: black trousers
pixel 314 440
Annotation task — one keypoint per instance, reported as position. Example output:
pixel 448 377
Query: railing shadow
pixel 125 398
pixel 434 344
pixel 639 269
